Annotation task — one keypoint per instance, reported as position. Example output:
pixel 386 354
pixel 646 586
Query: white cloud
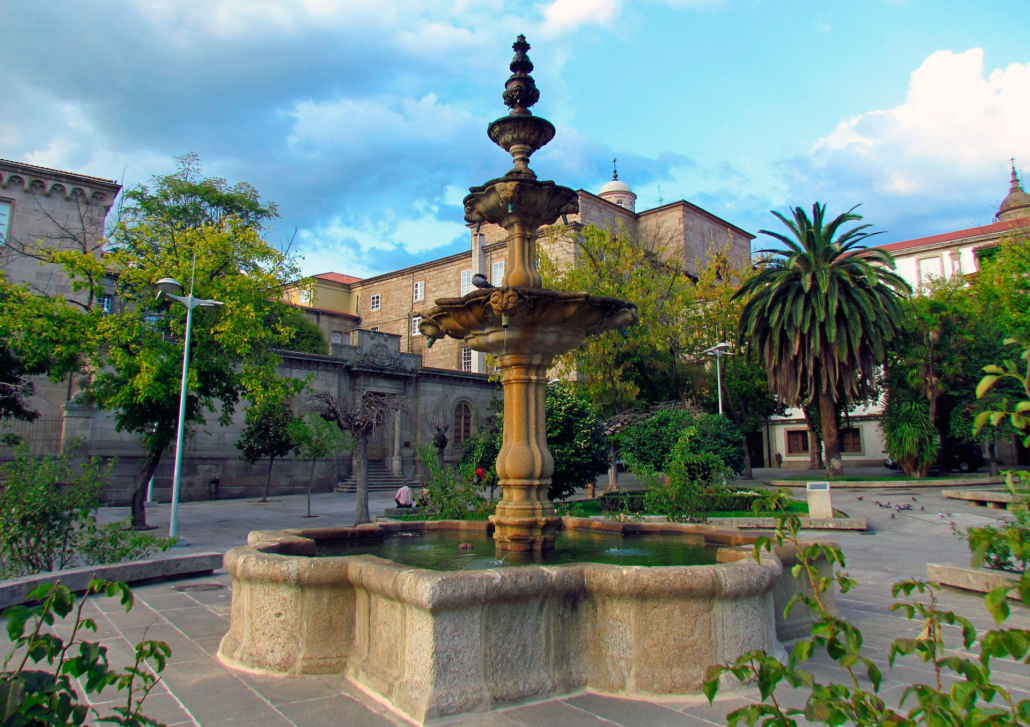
pixel 954 116
pixel 937 162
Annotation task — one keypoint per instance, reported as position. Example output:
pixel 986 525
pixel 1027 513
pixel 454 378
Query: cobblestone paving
pixel 193 615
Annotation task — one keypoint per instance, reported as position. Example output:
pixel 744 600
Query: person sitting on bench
pixel 403 497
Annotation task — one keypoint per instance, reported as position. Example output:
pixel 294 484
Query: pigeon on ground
pixel 893 515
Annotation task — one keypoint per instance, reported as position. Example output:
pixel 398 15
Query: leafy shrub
pixel 46 695
pixel 117 543
pixel 450 494
pixel 691 479
pixel 648 442
pixel 715 434
pixel 909 435
pixel 964 692
pixel 48 521
pixel 46 506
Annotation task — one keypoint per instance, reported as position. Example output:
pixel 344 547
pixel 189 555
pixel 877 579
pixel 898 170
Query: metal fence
pixel 43 436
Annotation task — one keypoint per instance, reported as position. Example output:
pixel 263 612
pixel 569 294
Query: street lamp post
pixel 718 351
pixel 167 287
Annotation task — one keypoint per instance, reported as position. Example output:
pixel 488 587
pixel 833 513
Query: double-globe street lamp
pixel 167 287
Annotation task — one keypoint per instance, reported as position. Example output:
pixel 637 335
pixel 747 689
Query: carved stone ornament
pixel 508 301
pixel 381 356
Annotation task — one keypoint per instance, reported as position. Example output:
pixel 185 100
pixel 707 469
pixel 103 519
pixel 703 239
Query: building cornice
pixel 24 177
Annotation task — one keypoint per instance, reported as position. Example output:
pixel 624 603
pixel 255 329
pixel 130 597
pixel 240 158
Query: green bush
pixel 691 479
pixel 47 504
pixel 648 441
pixel 48 518
pixel 450 494
pixel 41 689
pixel 962 690
pixel 118 543
pixel 715 434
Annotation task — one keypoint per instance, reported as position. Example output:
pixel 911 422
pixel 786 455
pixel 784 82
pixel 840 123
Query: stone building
pixel 44 209
pixel 393 302
pixel 41 210
pixel 786 440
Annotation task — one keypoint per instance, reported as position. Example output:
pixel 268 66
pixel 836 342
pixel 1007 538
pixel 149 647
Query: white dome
pixel 616 186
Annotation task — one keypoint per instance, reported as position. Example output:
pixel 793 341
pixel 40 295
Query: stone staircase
pixel 380 479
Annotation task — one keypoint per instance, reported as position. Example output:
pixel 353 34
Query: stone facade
pixel 388 302
pixel 43 209
pixel 47 209
pixel 369 361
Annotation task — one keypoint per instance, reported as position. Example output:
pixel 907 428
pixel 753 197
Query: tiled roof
pixel 60 171
pixel 337 278
pixel 993 228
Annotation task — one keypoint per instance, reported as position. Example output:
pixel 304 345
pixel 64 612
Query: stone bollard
pixel 819 505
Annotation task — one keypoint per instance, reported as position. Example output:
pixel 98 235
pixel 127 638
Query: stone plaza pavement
pixel 192 615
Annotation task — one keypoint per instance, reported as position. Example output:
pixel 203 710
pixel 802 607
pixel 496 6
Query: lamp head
pixel 168 286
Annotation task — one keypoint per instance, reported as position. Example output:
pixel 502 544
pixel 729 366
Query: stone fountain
pixel 434 642
pixel 523 325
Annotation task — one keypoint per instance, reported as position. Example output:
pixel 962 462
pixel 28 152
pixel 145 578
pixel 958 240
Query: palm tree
pixel 820 313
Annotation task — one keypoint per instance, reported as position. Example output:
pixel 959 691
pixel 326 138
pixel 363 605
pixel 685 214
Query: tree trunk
pixel 831 439
pixel 613 469
pixel 311 481
pixel 268 480
pixel 361 475
pixel 992 457
pixel 139 497
pixel 748 474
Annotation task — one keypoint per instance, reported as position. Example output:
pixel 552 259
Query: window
pixel 462 423
pixel 5 221
pixel 466 282
pixel 415 320
pixel 466 359
pixel 337 336
pixel 420 290
pixel 851 440
pixel 375 301
pixel 374 329
pixel 497 272
pixel 930 268
pixel 956 263
pixel 104 302
pixel 797 442
pixel 305 297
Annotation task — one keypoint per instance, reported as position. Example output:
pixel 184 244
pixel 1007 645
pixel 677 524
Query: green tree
pixel 645 363
pixel 649 440
pixel 318 439
pixel 270 431
pixel 820 314
pixel 190 229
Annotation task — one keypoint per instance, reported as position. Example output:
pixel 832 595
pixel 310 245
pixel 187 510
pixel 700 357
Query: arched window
pixel 462 423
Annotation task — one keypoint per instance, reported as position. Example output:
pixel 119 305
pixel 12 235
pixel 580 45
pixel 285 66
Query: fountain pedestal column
pixel 525 520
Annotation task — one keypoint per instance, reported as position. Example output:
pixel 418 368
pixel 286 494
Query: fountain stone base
pixel 440 643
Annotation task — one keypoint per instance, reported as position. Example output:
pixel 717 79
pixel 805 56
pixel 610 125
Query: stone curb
pixel 17 590
pixel 817 523
pixel 971 579
pixel 889 484
pixel 998 500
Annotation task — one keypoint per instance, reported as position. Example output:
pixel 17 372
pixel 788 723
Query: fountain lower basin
pixel 436 643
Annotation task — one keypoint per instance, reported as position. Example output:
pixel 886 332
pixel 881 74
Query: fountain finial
pixel 520 91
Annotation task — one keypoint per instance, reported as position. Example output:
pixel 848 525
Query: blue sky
pixel 365 119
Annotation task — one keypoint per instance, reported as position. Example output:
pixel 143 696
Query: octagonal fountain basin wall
pixel 435 643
